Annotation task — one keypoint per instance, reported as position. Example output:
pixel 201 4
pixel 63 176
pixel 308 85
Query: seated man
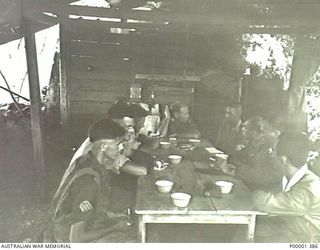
pixel 255 164
pixel 120 114
pixel 298 204
pixel 181 124
pixel 230 132
pixel 157 121
pixel 75 203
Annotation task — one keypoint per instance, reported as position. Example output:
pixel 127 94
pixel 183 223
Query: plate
pixel 184 145
pixel 213 150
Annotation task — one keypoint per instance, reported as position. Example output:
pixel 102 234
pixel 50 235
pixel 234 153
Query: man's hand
pixel 239 147
pixel 85 206
pixel 227 168
pixel 130 145
pixel 119 162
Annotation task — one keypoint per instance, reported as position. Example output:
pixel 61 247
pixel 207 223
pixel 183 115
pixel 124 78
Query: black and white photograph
pixel 170 121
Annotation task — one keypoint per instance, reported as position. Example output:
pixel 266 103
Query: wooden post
pixel 64 100
pixel 35 101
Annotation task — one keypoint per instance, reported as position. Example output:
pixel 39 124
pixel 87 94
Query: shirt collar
pixel 288 184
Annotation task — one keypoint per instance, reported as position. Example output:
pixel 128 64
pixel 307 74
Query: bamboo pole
pixel 14 93
pixel 35 101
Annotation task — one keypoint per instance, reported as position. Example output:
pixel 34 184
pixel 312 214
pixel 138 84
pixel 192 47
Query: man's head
pixel 233 113
pixel 251 129
pixel 106 137
pixel 180 112
pixel 258 130
pixel 121 114
pixel 293 148
pixel 139 114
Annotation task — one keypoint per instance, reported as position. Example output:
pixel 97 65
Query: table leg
pixel 251 228
pixel 142 230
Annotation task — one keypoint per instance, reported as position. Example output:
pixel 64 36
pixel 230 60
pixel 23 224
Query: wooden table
pixel 154 207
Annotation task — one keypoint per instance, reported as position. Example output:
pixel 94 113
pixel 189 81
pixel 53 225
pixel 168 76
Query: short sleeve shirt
pixel 84 188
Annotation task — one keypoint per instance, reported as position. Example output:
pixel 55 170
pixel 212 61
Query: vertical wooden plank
pixel 64 95
pixel 35 100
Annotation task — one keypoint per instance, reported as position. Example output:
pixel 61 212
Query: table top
pixel 188 179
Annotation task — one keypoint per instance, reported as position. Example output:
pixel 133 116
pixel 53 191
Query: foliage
pixel 271 56
pixel 268 55
pixel 313 106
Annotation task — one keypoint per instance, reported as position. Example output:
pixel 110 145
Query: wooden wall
pixel 213 94
pixel 97 73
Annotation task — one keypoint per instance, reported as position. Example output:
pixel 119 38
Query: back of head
pixel 105 129
pixel 119 111
pixel 295 146
pixel 175 107
pixel 136 111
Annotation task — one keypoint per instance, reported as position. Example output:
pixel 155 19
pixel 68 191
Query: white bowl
pixel 164 186
pixel 165 144
pixel 225 186
pixel 175 159
pixel 181 199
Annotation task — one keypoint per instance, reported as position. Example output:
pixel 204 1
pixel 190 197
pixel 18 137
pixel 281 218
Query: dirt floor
pixel 22 210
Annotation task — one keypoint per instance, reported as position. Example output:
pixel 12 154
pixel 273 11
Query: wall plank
pixel 94 96
pixel 102 75
pixel 99 62
pixel 102 62
pixel 90 107
pixel 139 50
pixel 100 85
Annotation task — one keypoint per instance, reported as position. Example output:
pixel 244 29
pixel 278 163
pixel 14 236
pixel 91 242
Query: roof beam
pixel 220 14
pixel 194 28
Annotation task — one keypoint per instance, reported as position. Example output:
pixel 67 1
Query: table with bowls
pixel 176 193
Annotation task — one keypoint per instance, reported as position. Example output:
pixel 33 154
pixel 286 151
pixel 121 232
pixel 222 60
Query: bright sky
pixel 14 67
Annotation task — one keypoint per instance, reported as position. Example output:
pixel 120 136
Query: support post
pixel 64 100
pixel 35 103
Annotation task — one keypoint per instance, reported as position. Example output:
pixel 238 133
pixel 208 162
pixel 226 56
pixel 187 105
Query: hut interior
pixel 166 50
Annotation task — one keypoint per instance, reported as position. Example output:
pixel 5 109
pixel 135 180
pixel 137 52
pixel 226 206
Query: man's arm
pixel 294 202
pixel 258 175
pixel 134 169
pixel 133 166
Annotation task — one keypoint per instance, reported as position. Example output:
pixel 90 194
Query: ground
pixel 21 208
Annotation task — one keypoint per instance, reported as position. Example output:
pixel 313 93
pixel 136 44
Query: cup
pixel 164 186
pixel 225 186
pixel 165 144
pixel 175 159
pixel 181 199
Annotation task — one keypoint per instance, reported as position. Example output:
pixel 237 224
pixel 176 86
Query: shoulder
pixel 311 182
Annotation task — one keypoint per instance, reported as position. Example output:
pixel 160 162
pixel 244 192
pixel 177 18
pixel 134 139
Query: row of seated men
pixel 273 162
pixel 99 186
